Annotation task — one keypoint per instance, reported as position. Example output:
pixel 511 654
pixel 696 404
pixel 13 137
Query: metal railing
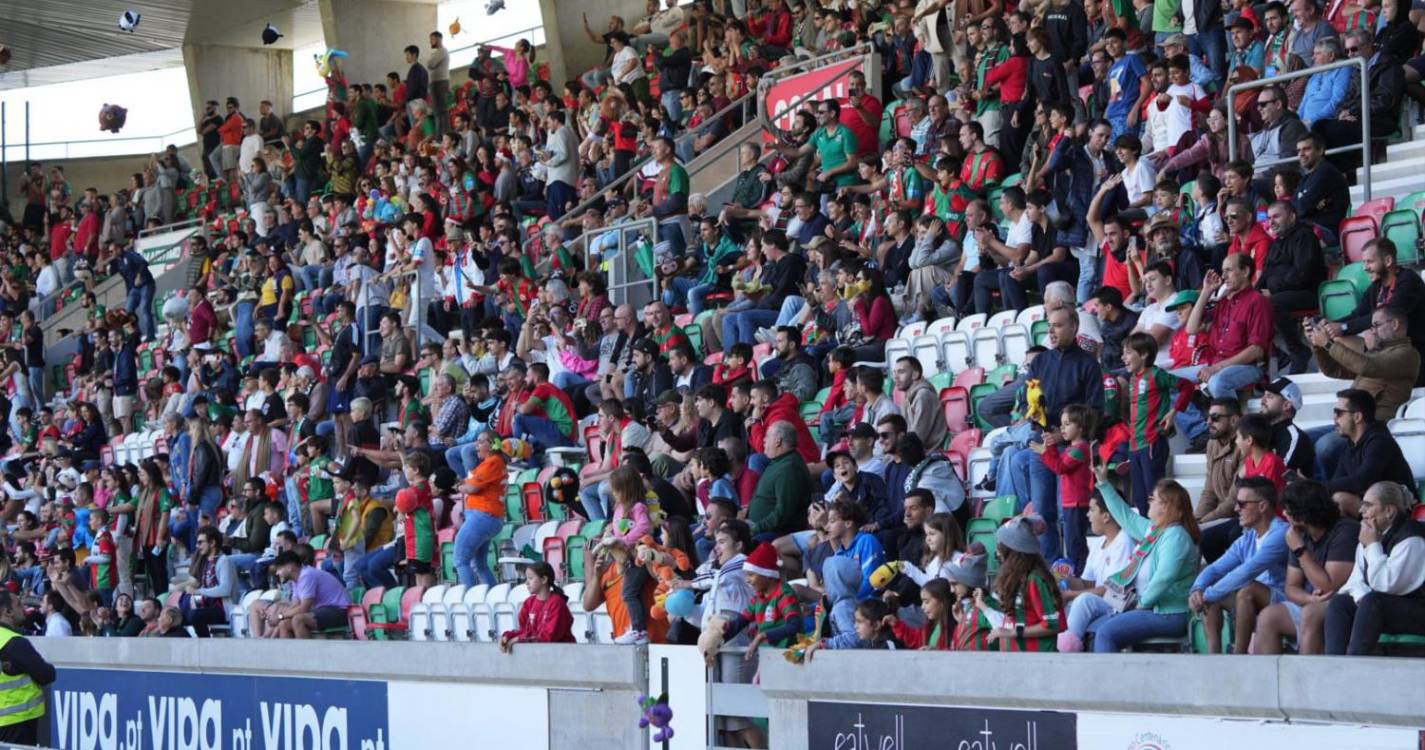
pixel 1361 65
pixel 633 170
pixel 624 274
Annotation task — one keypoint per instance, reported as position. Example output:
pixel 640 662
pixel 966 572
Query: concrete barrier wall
pixel 588 693
pixel 1375 691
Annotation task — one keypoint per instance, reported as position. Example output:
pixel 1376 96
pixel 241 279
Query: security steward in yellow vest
pixel 23 677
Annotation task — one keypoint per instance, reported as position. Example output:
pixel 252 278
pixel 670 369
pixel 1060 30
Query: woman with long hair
pixel 1148 598
pixel 544 617
pixel 1211 149
pixel 875 313
pixel 206 468
pixel 151 524
pixel 1025 591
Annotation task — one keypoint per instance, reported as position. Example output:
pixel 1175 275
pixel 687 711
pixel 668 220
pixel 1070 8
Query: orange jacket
pixel 489 479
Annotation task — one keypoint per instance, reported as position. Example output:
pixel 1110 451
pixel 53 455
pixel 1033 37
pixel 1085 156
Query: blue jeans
pixel 741 328
pixel 1076 531
pixel 1224 384
pixel 671 102
pixel 541 432
pixel 472 548
pixel 1088 276
pixel 1035 483
pixel 294 506
pixel 1003 446
pixel 462 459
pixel 683 290
pixel 140 301
pixel 596 499
pixel 1330 446
pixel 1212 44
pixel 243 320
pixel 1148 465
pixel 570 381
pixel 37 385
pixel 375 567
pixel 791 307
pixel 315 277
pixel 303 188
pixel 243 564
pixel 1115 632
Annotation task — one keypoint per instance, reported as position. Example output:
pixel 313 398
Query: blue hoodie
pixel 842 578
pixel 866 550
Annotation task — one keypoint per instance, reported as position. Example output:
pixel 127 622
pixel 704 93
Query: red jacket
pixel 231 130
pixel 785 409
pixel 545 621
pixel 1075 474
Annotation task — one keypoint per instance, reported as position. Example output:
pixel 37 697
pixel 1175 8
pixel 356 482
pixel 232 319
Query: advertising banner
pixel 1150 732
pixel 873 726
pixel 98 709
pixel 786 92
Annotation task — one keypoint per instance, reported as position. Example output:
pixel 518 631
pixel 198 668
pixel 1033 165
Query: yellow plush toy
pixel 798 651
pixel 1036 410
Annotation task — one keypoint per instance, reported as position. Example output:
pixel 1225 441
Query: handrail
pixel 637 166
pixel 800 66
pixel 1365 145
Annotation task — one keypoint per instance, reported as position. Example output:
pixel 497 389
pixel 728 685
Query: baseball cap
pixel 1177 39
pixel 647 346
pixel 1185 297
pixel 1288 390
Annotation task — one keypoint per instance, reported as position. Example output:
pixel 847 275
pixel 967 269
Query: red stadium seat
pixel 970 377
pixel 1356 231
pixel 956 403
pixel 359 614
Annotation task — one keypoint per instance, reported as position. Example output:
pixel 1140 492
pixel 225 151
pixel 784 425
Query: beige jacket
pixel 1388 373
pixel 1216 500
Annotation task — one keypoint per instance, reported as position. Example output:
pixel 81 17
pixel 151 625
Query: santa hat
pixel 763 561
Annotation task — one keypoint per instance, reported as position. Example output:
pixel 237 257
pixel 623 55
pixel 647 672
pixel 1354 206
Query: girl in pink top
pixel 629 524
pixel 517 61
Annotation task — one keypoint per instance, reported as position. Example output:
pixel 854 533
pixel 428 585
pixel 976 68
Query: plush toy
pixel 891 577
pixel 112 117
pixel 657 714
pixel 711 639
pixel 797 653
pixel 664 563
pixel 326 61
pixel 1037 410
pixel 680 603
pixel 129 20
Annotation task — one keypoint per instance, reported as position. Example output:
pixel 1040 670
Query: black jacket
pixel 206 469
pixel 649 385
pixel 1295 448
pixel 1376 458
pixel 1294 262
pixel 1323 196
pixel 1387 82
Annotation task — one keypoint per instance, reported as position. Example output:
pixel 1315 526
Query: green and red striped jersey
pixel 774 610
pixel 1035 605
pixel 1150 398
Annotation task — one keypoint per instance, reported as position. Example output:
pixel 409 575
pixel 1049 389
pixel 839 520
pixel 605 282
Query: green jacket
pixel 780 500
pixel 1173 559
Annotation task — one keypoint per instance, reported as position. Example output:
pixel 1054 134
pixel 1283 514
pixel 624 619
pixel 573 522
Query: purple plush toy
pixel 656 713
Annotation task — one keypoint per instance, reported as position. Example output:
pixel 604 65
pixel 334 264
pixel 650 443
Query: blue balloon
pixel 679 603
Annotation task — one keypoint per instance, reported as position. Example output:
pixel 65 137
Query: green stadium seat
pixel 1338 298
pixel 1403 228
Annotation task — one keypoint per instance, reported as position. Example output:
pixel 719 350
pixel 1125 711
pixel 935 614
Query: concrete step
pixel 1397 187
pixel 1398 167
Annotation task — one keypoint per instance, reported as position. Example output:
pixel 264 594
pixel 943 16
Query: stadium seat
pixel 979 467
pixel 1338 298
pixel 1410 435
pixel 969 323
pixel 1039 332
pixel 986 345
pixel 940 326
pixel 554 554
pixel 955 351
pixel 359 615
pixel 574 554
pixel 392 618
pixel 897 348
pixel 924 348
pixel 506 613
pixel 575 592
pixel 1003 375
pixel 977 394
pixel 514 503
pixel 1357 274
pixel 421 620
pixel 483 614
pixel 969 377
pixel 1014 342
pixel 441 611
pixel 462 615
pixel 1375 208
pixel 911 330
pixel 956 403
pixel 962 445
pixel 1031 315
pixel 1356 231
pixel 1402 228
pixel 533 493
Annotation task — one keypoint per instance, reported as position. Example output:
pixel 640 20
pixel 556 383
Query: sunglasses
pixel 1218 417
pixel 885 435
pixel 1240 504
pixel 1265 102
pixel 1339 412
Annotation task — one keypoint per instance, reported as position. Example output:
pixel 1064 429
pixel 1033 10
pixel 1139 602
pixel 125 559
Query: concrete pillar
pixel 567 47
pixel 251 74
pixel 373 33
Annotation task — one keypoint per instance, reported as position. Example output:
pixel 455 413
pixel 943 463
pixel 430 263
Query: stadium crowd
pixel 400 346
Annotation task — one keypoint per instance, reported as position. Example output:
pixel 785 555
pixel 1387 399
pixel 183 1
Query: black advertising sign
pixel 875 726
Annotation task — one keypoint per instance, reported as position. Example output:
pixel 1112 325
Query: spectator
pixel 1251 576
pixel 1322 546
pixel 1281 131
pixel 318 601
pixel 1115 322
pixel 1391 287
pixel 1295 268
pixel 1322 197
pixel 212 592
pixel 1025 591
pixel 484 490
pixel 784 487
pixel 1281 402
pixel 1381 362
pixel 1167 548
pixel 544 617
pixel 1373 455
pixel 1383 593
pixel 922 410
pixel 1385 76
pixel 1076 426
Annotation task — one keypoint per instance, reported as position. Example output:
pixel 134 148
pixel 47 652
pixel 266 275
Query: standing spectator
pixel 224 160
pixel 138 285
pixel 562 160
pixel 484 490
pixel 923 413
pixel 1383 594
pixel 438 65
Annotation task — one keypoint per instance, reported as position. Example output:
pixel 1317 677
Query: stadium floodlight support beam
pixel 1362 67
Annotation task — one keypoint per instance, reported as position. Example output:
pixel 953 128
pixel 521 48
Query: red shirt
pixel 1012 77
pixel 1271 466
pixel 1241 320
pixel 231 130
pixel 59 239
pixel 201 322
pixel 1254 245
pixel 1115 272
pixel 1075 473
pixel 867 134
pixel 86 239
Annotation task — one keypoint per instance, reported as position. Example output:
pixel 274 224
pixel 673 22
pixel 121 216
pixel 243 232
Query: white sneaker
pixel 765 335
pixel 633 638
